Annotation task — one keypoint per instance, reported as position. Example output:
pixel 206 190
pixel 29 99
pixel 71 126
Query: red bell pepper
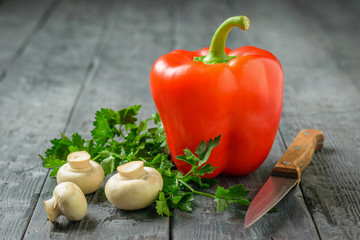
pixel 218 91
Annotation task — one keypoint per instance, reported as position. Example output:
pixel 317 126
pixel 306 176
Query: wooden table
pixel 60 61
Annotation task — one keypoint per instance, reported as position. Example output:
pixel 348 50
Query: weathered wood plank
pixel 35 100
pixel 291 222
pixel 317 94
pixel 340 31
pixel 20 20
pixel 137 33
pixel 205 223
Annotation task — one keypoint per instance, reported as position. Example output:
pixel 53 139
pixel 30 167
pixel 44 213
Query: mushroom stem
pixel 79 160
pixel 132 170
pixel 52 208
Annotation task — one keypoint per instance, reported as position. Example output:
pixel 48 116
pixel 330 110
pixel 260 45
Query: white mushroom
pixel 82 171
pixel 134 186
pixel 67 200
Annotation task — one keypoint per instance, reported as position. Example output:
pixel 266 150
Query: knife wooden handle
pixel 299 154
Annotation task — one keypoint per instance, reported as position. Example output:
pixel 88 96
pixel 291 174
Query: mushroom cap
pixel 134 193
pixel 88 180
pixel 67 200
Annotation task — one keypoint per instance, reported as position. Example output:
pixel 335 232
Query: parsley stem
pixel 194 191
pixel 144 159
pixel 121 133
pixel 188 173
pixel 95 158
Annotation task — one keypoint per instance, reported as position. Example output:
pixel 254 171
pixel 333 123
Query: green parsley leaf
pixel 183 201
pixel 222 204
pixel 127 116
pixel 60 148
pixel 77 143
pixel 108 165
pixel 197 162
pixel 205 182
pixel 227 197
pixel 105 120
pixel 93 149
pixel 54 171
pixel 189 158
pixel 51 161
pixel 203 170
pixel 234 192
pixel 204 151
pixel 161 205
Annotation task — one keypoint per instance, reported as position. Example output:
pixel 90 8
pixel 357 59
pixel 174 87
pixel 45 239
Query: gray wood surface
pixel 229 224
pixel 60 61
pixel 36 98
pixel 20 21
pixel 112 73
pixel 319 93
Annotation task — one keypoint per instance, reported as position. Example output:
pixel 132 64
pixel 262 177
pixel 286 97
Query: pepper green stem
pixel 217 47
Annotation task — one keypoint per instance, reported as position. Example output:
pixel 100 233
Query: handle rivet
pixel 297 147
pixel 307 133
pixel 286 162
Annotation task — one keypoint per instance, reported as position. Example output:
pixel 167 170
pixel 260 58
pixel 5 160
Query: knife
pixel 286 173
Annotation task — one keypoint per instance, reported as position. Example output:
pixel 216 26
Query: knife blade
pixel 286 173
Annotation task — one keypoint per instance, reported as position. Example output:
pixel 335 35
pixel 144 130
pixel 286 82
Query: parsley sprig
pixel 118 138
pixel 179 191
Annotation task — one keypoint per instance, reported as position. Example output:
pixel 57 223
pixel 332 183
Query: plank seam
pixel 92 67
pixel 302 192
pixel 172 25
pixel 33 210
pixel 172 33
pixel 170 227
pixel 90 72
pixel 326 46
pixel 282 138
pixel 39 25
pixel 312 218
